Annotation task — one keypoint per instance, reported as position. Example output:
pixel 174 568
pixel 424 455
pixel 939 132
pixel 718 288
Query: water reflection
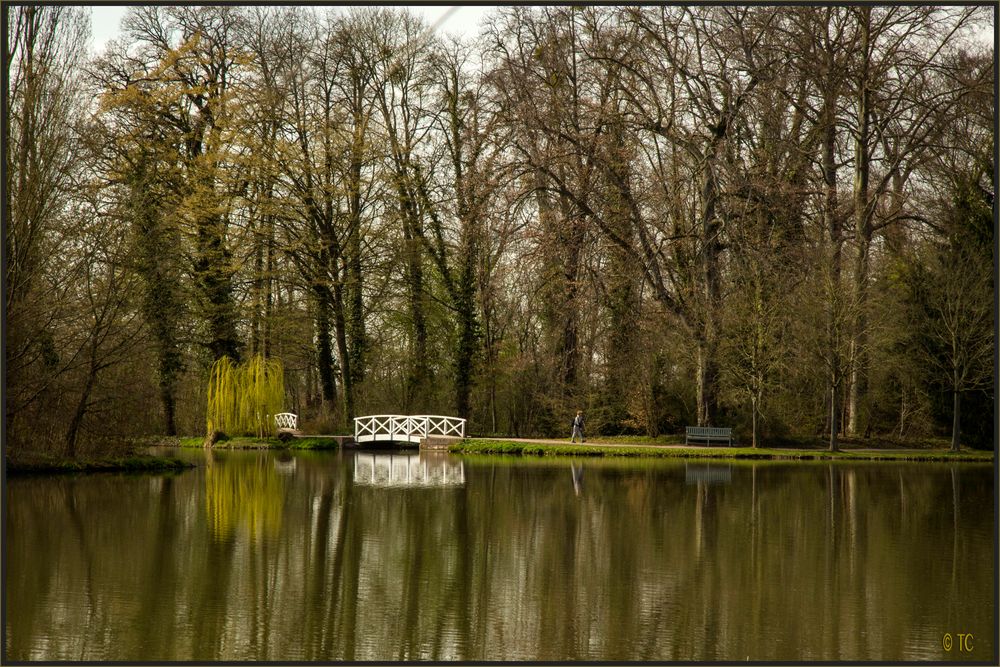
pixel 709 473
pixel 285 463
pixel 238 561
pixel 407 469
pixel 243 492
pixel 577 473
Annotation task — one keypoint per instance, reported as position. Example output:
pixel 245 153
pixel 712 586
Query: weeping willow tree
pixel 243 399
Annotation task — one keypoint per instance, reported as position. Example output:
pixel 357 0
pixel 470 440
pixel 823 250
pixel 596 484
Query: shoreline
pixel 503 447
pixel 557 448
pixel 241 442
pixel 136 463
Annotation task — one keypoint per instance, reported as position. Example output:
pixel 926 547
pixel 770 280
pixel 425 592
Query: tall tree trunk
pixel 467 334
pixel 168 402
pixel 834 418
pixel 257 299
pixel 263 264
pixel 324 349
pixel 623 342
pixel 340 331
pixel 417 377
pixel 708 368
pixel 463 290
pixel 158 266
pixel 956 422
pixel 213 261
pixel 72 432
pixel 834 229
pixel 571 244
pixel 268 289
pixel 864 232
pixel 212 268
pixel 357 338
pixel 623 293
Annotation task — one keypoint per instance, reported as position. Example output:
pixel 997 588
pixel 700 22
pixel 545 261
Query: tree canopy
pixel 776 219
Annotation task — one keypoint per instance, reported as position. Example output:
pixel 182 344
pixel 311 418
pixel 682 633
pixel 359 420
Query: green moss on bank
pixel 475 446
pixel 137 463
pixel 263 443
pixel 312 443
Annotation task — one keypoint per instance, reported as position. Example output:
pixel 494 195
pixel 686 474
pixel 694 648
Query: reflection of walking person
pixel 578 427
pixel 577 477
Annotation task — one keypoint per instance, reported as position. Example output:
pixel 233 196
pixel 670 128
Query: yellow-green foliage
pixel 247 494
pixel 221 414
pixel 261 386
pixel 242 400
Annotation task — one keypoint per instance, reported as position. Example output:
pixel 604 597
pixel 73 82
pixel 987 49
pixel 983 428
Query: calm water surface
pixel 378 556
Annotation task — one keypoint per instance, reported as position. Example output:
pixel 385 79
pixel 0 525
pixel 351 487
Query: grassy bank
pixel 136 463
pixel 782 442
pixel 260 443
pixel 505 447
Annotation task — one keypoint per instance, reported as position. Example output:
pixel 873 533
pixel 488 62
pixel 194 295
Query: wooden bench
pixel 708 434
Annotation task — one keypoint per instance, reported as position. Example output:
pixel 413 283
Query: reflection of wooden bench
pixel 708 434
pixel 287 422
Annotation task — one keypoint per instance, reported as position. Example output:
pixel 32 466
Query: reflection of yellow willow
pixel 247 494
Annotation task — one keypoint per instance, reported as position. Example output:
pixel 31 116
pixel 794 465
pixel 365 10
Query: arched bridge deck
pixel 406 428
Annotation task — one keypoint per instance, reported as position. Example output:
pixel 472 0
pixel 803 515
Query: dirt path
pixel 797 450
pixel 539 441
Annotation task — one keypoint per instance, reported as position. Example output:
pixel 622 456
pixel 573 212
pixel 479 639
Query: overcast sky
pixel 464 20
pixel 460 20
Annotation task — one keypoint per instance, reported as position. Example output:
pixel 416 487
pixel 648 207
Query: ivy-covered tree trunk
pixel 213 279
pixel 159 266
pixel 623 283
pixel 468 332
pixel 324 348
pixel 418 372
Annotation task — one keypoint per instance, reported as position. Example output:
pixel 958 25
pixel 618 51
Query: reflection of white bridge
pixel 406 428
pixel 406 470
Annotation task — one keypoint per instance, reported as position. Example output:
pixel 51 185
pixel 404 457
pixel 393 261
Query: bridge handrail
pixel 391 425
pixel 286 420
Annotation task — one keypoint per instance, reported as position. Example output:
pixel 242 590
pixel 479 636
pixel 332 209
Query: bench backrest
pixel 709 431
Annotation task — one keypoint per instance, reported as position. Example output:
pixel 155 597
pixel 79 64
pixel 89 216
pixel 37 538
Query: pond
pixel 324 556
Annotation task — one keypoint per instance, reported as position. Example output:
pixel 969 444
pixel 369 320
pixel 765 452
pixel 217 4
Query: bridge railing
pixel 406 427
pixel 286 420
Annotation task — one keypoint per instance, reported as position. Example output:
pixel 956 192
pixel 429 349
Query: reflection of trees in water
pixel 246 493
pixel 786 561
pixel 807 562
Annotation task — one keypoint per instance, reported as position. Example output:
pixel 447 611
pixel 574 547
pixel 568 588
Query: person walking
pixel 578 427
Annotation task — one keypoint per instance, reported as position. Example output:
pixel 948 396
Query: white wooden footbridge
pixel 429 431
pixel 407 428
